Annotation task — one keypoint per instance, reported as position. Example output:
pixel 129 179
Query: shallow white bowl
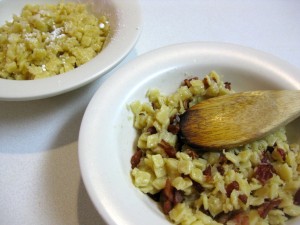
pixel 107 136
pixel 126 23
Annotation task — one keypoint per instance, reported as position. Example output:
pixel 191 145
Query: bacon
pixel 241 219
pixel 264 172
pixel 265 157
pixel 174 128
pixel 175 119
pixel 222 159
pixel 169 149
pixel 227 85
pixel 282 153
pixel 169 197
pixel 221 169
pixel 186 104
pixel 193 154
pixel 155 105
pixel 178 196
pixel 187 82
pixel 215 79
pixel 174 124
pixel 198 186
pixel 152 130
pixel 167 206
pixel 136 158
pixel 205 82
pixel 223 218
pixel 234 185
pixel 297 197
pixel 243 198
pixel 168 191
pixel 207 173
pixel 266 207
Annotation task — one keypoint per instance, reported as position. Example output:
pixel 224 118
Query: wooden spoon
pixel 233 120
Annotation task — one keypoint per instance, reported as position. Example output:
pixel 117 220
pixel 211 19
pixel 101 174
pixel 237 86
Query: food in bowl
pixel 258 183
pixel 47 40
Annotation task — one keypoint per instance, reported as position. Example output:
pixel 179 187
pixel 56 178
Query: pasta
pixel 257 183
pixel 47 40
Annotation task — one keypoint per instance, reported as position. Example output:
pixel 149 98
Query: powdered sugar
pixel 56 33
pixel 44 67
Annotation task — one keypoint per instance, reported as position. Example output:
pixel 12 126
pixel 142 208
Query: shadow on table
pixel 62 195
pixel 40 125
pixel 35 126
pixel 87 214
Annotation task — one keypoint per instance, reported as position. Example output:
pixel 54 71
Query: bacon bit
pixel 174 128
pixel 174 124
pixel 136 158
pixel 178 197
pixel 155 105
pixel 169 149
pixel 282 153
pixel 175 119
pixel 166 197
pixel 193 154
pixel 152 130
pixel 222 159
pixel 167 207
pixel 205 82
pixel 243 198
pixel 221 169
pixel 231 216
pixel 234 185
pixel 264 172
pixel 241 219
pixel 186 104
pixel 266 207
pixel 223 218
pixel 187 82
pixel 208 174
pixel 207 171
pixel 198 186
pixel 227 85
pixel 168 190
pixel 265 157
pixel 170 196
pixel 297 197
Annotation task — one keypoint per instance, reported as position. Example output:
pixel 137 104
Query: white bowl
pixel 125 19
pixel 107 136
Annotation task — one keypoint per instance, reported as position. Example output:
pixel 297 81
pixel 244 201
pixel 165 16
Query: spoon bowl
pixel 233 120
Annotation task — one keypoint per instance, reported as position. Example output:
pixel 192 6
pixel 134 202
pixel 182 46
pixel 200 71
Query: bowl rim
pixel 129 27
pixel 105 202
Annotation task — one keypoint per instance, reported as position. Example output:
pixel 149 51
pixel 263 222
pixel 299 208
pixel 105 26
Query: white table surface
pixel 40 181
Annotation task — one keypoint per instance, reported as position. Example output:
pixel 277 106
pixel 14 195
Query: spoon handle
pixel 234 120
pixel 287 103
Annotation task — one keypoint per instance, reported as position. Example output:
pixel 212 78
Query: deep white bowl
pixel 107 136
pixel 126 23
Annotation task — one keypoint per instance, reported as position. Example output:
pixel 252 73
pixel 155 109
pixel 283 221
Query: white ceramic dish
pixel 126 23
pixel 107 135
